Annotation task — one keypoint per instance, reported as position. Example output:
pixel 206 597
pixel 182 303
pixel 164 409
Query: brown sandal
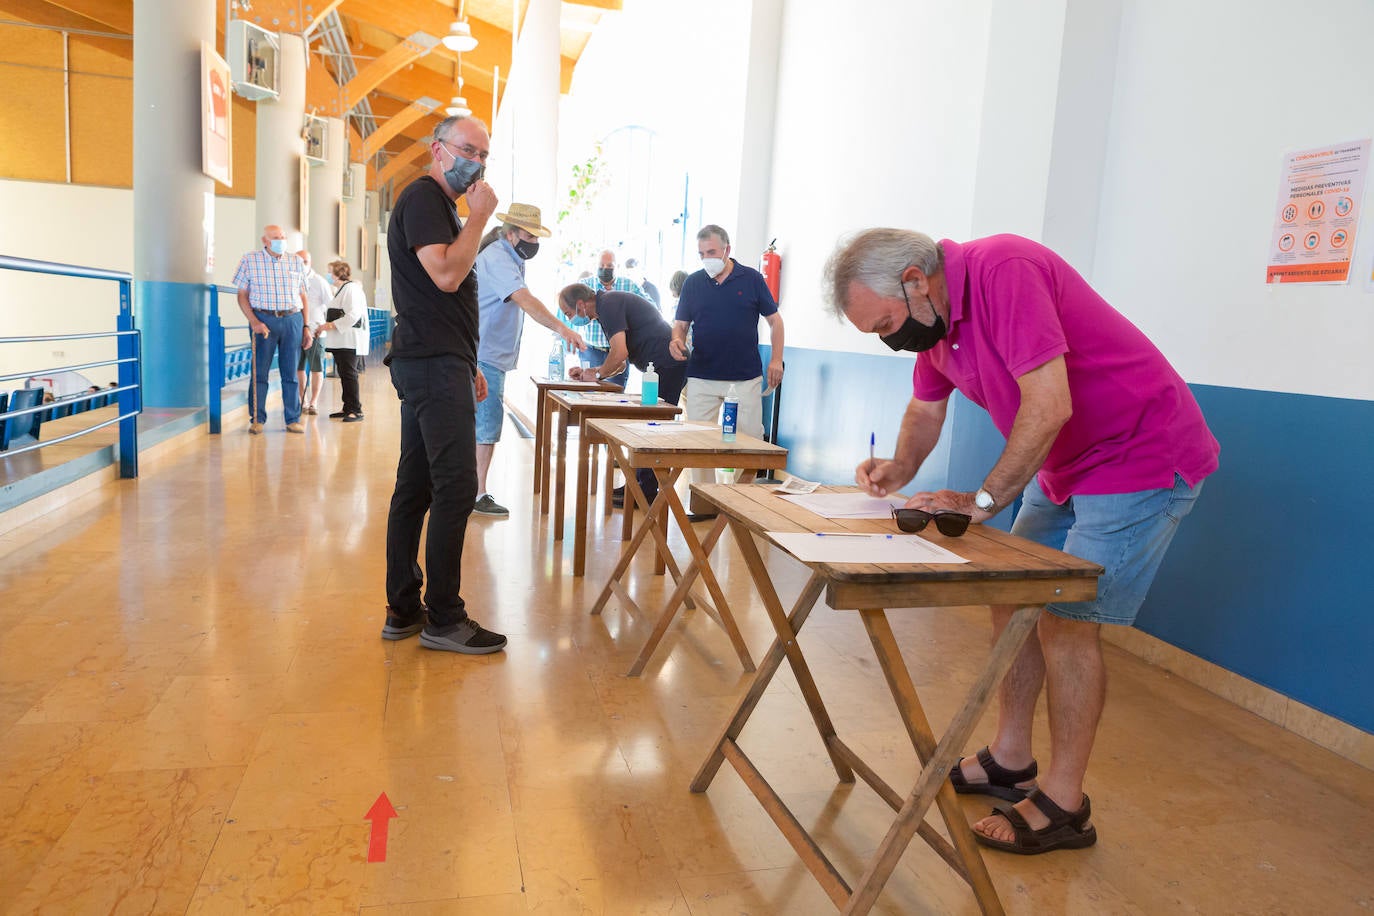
pixel 1066 829
pixel 1001 782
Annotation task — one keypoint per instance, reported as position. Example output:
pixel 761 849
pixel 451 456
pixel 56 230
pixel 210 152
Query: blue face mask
pixel 579 321
pixel 276 246
pixel 463 172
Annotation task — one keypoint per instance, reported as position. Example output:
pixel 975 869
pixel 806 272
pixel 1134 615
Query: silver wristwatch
pixel 985 500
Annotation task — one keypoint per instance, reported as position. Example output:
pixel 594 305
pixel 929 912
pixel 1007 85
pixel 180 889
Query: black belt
pixel 277 313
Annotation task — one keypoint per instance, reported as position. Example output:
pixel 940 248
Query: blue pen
pixel 840 534
pixel 872 442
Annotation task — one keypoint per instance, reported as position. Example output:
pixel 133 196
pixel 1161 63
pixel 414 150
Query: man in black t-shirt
pixel 637 334
pixel 434 369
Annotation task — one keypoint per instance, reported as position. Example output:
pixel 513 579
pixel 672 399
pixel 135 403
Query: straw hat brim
pixel 532 228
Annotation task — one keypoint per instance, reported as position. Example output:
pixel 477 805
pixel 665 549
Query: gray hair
pixel 445 128
pixel 875 258
pixel 707 231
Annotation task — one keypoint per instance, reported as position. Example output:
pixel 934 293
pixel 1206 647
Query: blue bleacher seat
pixel 21 429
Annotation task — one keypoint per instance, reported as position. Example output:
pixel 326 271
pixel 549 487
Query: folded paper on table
pixel 846 547
pixel 847 505
pixel 796 486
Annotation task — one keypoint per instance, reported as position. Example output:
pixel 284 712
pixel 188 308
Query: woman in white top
pixel 346 337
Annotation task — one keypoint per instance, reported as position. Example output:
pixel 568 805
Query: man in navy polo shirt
pixel 722 304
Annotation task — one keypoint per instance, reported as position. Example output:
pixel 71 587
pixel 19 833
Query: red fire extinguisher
pixel 770 265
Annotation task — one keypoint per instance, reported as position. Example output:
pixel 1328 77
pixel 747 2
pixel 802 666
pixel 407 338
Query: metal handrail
pixel 129 344
pixel 41 373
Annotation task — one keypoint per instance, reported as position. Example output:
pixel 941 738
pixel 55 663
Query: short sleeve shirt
pixel 1014 306
pixel 429 321
pixel 500 274
pixel 274 283
pixel 725 323
pixel 646 333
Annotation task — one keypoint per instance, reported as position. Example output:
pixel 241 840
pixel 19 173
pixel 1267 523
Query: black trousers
pixel 346 365
pixel 436 474
pixel 671 381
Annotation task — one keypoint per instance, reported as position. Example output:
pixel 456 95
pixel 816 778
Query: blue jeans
pixel 436 474
pixel 284 339
pixel 1126 533
pixel 594 356
pixel 491 413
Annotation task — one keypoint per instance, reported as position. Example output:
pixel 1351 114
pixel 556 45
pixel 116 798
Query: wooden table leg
pixel 547 469
pixel 609 486
pixel 700 560
pixel 767 668
pixel 800 669
pixel 918 729
pixel 679 595
pixel 584 449
pixel 541 433
pixel 560 476
pixel 936 769
pixel 627 551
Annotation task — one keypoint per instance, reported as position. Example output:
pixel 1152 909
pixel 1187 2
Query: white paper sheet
pixel 608 397
pixel 660 426
pixel 847 505
pixel 862 548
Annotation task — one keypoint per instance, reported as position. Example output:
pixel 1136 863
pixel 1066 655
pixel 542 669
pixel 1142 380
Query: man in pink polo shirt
pixel 1105 443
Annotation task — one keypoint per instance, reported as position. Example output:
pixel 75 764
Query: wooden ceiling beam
pixel 397 163
pixel 398 122
pixel 369 77
pixel 115 15
pixel 317 13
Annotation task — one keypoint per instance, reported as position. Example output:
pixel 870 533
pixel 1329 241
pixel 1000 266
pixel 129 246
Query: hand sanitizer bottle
pixel 730 416
pixel 556 359
pixel 648 391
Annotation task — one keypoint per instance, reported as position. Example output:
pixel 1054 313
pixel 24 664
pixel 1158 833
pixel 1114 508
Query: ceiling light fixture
pixel 458 106
pixel 459 37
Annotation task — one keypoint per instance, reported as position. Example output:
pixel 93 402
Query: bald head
pixel 274 239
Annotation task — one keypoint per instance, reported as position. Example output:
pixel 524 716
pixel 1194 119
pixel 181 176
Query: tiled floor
pixel 196 713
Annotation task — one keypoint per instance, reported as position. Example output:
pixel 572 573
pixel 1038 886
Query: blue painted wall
pixel 1266 578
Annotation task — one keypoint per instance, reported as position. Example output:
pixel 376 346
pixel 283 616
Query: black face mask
pixel 914 336
pixel 526 249
pixel 606 275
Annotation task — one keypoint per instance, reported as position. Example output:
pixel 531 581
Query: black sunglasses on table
pixel 947 521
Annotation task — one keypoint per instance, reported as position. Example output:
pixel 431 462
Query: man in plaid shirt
pixel 271 283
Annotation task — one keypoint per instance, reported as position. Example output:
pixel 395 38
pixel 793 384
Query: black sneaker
pixel 401 626
pixel 488 506
pixel 465 636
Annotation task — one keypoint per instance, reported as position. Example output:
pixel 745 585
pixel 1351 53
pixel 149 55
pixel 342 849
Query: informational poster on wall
pixel 1317 214
pixel 216 150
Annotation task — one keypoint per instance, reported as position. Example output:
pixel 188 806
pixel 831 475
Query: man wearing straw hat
pixel 503 301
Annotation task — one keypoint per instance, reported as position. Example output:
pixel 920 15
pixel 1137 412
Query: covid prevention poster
pixel 1317 213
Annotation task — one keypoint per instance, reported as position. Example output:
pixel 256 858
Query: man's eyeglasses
pixel 468 150
pixel 947 521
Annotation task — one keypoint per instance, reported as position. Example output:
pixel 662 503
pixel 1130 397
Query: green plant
pixel 587 180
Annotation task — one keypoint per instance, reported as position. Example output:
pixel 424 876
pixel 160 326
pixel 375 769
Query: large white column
pixel 1050 77
pixel 326 193
pixel 174 203
pixel 751 233
pixel 280 146
pixel 524 149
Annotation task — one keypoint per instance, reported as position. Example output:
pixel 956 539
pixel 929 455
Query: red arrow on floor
pixel 380 815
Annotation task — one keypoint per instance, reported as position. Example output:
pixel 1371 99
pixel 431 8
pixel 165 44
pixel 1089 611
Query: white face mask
pixel 713 266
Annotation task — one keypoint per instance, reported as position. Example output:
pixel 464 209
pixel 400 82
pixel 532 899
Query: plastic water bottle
pixel 556 360
pixel 648 391
pixel 730 417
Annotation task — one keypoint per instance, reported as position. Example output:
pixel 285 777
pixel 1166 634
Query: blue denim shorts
pixel 1126 533
pixel 491 413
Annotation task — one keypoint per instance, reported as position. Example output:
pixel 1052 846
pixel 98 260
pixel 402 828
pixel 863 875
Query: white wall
pixel 878 119
pixel 1209 97
pixel 91 227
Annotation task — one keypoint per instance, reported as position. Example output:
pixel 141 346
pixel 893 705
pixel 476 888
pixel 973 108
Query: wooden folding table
pixel 1001 570
pixel 573 408
pixel 669 449
pixel 543 411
